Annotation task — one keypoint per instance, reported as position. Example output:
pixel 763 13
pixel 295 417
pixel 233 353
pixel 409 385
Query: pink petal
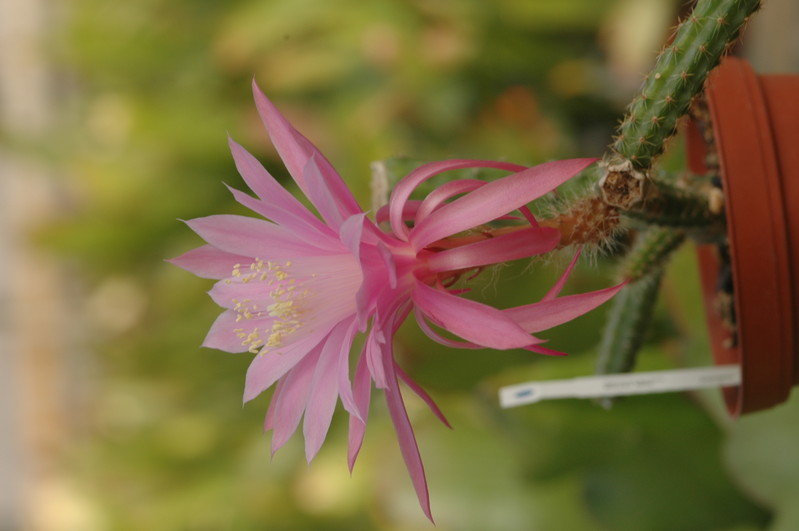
pixel 322 398
pixel 444 192
pixel 475 322
pixel 503 248
pixel 292 399
pixel 296 151
pixel 312 230
pixel 269 420
pixel 494 200
pixel 538 349
pixel 344 341
pixel 424 172
pixel 325 202
pixel 416 388
pixel 546 314
pixel 222 335
pixel 362 391
pixel 438 338
pixel 408 212
pixel 555 290
pixel 209 262
pixel 269 367
pixel 373 349
pixel 276 202
pixel 406 438
pixel 252 237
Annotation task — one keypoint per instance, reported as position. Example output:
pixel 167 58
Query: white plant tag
pixel 612 385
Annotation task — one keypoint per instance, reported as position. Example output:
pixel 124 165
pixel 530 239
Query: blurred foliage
pixel 151 88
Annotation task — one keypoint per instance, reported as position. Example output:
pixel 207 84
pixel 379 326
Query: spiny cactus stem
pixel 678 76
pixel 651 250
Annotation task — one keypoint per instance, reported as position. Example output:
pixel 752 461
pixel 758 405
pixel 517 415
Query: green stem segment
pixel 679 74
pixel 632 309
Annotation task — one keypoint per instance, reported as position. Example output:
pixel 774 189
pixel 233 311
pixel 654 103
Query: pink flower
pixel 297 290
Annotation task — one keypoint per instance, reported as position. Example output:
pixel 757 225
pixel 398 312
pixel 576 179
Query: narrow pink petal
pixel 473 321
pixel 209 262
pixel 406 438
pixel 494 200
pixel 538 349
pixel 325 202
pixel 523 243
pixel 296 151
pixel 269 367
pixel 269 420
pixel 407 185
pixel 416 388
pixel 389 262
pixel 373 349
pixel 312 230
pixel 350 234
pixel 222 336
pixel 546 314
pixel 444 192
pixel 292 399
pixel 362 391
pixel 408 212
pixel 555 290
pixel 344 385
pixel 252 237
pixel 277 203
pixel 323 396
pixel 438 338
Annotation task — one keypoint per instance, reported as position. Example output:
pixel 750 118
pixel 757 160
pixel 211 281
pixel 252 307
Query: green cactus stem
pixel 679 74
pixel 668 205
pixel 627 323
pixel 651 251
pixel 632 309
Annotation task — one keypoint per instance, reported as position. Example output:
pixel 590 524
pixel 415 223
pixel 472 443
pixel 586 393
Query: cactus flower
pixel 296 288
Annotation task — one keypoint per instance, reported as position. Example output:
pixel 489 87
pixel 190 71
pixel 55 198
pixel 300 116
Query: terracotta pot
pixel 756 132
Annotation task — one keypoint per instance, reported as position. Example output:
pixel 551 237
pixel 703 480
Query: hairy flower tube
pixel 298 289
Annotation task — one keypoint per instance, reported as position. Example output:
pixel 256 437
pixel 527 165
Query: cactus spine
pixel 679 74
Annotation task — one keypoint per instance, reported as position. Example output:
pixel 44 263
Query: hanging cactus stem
pixel 679 74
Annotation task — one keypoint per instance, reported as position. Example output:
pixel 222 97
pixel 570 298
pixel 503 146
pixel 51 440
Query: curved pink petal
pixel 475 322
pixel 322 398
pixel 344 342
pixel 295 150
pixel 362 391
pixel 207 261
pixel 555 290
pixel 223 333
pixel 406 438
pixel 333 212
pixel 438 338
pixel 292 399
pixel 444 192
pixel 269 367
pixel 408 184
pixel 546 314
pixel 276 203
pixel 421 393
pixel 310 229
pixel 494 200
pixel 252 237
pixel 538 349
pixel 373 349
pixel 523 243
pixel 408 211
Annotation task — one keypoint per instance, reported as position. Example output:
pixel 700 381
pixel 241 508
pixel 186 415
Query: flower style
pixel 298 289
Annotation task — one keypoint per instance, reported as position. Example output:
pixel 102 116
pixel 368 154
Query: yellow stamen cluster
pixel 284 292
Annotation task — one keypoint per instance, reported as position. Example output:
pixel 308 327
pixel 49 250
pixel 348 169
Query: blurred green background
pixel 114 127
